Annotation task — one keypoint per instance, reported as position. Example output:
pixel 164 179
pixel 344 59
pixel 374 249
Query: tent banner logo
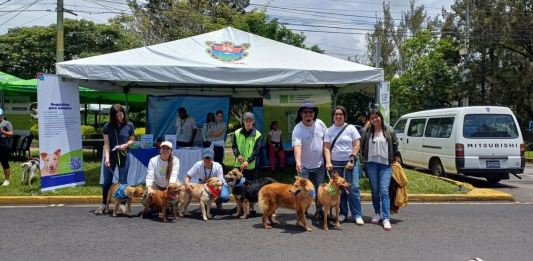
pixel 227 51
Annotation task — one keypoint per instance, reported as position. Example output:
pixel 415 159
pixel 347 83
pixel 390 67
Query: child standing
pixel 275 146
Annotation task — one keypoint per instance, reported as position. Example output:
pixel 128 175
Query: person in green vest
pixel 246 145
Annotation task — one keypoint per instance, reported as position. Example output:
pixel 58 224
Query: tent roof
pixel 7 78
pixel 227 57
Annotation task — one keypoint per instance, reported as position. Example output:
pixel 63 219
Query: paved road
pixel 521 189
pixel 420 232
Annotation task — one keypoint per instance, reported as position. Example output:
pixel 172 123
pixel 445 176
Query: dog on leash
pixel 119 193
pixel 50 162
pixel 29 171
pixel 205 193
pixel 297 196
pixel 329 196
pixel 246 193
pixel 161 200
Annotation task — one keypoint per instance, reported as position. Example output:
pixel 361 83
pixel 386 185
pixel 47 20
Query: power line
pixel 5 22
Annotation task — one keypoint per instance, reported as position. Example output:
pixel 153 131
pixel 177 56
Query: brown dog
pixel 162 199
pixel 205 193
pixel 329 195
pixel 297 196
pixel 130 192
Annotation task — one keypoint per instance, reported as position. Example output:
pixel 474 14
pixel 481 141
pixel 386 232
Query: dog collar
pixel 241 182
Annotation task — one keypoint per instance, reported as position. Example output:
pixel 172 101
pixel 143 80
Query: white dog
pixel 29 171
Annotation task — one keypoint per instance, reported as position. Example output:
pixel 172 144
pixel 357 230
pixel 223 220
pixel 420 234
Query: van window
pixel 416 127
pixel 400 126
pixel 489 126
pixel 440 127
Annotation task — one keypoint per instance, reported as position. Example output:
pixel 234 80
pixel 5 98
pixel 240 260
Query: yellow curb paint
pixel 473 195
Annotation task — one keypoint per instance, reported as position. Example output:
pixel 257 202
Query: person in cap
pixel 118 137
pixel 185 129
pixel 163 169
pixel 246 145
pixel 204 170
pixel 6 131
pixel 308 143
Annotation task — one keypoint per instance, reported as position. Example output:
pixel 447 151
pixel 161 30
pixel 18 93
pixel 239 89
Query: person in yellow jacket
pixel 246 145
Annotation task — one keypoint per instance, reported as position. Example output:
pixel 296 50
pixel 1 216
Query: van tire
pixel 436 168
pixel 493 179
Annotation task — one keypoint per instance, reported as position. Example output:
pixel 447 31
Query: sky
pixel 337 26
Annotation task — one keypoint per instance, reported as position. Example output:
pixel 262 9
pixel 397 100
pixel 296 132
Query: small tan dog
pixel 205 193
pixel 117 196
pixel 297 196
pixel 329 196
pixel 163 199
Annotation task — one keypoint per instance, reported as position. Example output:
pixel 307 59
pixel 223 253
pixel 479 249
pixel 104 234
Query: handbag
pixel 224 194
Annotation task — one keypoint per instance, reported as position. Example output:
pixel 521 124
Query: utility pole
pixel 60 44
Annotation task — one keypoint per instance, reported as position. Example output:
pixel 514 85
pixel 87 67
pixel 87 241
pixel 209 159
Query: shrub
pixel 139 131
pixel 34 130
pixel 86 130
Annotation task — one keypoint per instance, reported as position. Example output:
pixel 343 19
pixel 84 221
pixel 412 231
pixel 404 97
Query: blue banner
pixel 163 110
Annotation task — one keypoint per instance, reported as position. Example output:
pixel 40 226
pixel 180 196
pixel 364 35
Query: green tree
pixel 24 51
pixel 431 77
pixel 157 21
pixel 498 65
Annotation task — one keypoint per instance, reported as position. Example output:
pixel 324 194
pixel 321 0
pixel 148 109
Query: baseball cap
pixel 248 115
pixel 166 143
pixel 208 153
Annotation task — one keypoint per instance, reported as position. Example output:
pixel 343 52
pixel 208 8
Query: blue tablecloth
pixel 139 159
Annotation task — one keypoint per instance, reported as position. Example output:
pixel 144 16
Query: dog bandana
pixel 312 193
pixel 214 191
pixel 331 190
pixel 120 193
pixel 172 202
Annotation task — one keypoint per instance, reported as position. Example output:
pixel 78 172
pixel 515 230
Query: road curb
pixel 473 195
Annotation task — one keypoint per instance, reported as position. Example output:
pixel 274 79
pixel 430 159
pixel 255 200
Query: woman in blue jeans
pixel 379 147
pixel 118 136
pixel 342 142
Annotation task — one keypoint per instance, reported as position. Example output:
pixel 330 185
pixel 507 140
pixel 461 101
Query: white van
pixel 481 141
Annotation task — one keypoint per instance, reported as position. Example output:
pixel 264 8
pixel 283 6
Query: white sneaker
pixel 6 183
pixel 359 221
pixel 342 218
pixel 386 225
pixel 376 218
pixel 100 210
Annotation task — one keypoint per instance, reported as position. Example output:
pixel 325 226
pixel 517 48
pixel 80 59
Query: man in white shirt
pixel 308 143
pixel 185 129
pixel 204 169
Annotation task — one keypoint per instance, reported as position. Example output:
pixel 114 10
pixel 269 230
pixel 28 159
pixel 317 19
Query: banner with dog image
pixel 60 151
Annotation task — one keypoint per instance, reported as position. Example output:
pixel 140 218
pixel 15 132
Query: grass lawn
pixel 529 154
pixel 418 182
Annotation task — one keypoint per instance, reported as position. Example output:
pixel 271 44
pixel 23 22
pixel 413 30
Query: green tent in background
pixel 14 86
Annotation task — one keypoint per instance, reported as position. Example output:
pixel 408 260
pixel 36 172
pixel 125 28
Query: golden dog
pixel 297 196
pixel 205 193
pixel 162 199
pixel 329 195
pixel 130 192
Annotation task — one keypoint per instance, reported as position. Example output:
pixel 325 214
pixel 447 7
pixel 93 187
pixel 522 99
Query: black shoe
pixel 253 213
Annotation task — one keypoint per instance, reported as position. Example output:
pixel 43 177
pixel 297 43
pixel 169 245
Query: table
pixel 139 159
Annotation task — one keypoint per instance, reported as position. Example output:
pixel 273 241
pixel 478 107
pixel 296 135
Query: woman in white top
pixel 275 146
pixel 208 126
pixel 162 169
pixel 342 142
pixel 379 147
pixel 218 135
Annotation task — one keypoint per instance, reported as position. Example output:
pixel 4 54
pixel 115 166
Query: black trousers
pixel 219 155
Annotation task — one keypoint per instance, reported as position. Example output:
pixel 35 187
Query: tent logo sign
pixel 227 51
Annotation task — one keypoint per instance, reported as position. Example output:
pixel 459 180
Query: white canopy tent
pixel 223 62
